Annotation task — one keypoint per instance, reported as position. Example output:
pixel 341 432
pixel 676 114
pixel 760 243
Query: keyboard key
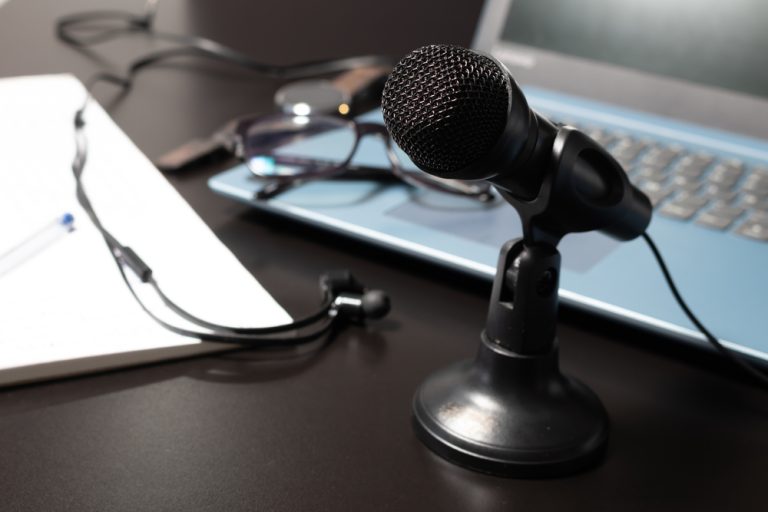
pixel 711 222
pixel 656 197
pixel 622 139
pixel 672 209
pixel 702 158
pixel 686 183
pixel 693 200
pixel 719 216
pixel 690 171
pixel 756 182
pixel 602 137
pixel 755 227
pixel 719 193
pixel 661 156
pixel 694 165
pixel 653 173
pixel 750 199
pixel 655 191
pixel 627 150
pixel 759 173
pixel 725 175
pixel 683 207
pixel 653 186
pixel 732 164
pixel 726 204
pixel 690 188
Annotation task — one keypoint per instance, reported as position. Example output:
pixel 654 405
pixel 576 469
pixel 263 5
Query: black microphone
pixel 458 114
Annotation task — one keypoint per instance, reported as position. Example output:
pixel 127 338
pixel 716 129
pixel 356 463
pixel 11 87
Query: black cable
pixel 296 324
pixel 259 336
pixel 253 339
pixel 100 27
pixel 723 350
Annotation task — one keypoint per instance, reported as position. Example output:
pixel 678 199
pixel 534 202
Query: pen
pixel 36 243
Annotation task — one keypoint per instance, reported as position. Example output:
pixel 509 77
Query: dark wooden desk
pixel 332 431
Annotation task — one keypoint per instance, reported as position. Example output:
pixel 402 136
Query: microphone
pixel 458 114
pixel 510 411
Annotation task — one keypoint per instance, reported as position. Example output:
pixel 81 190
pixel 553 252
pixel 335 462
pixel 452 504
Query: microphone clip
pixel 582 188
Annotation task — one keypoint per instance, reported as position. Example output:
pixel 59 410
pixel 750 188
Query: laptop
pixel 677 92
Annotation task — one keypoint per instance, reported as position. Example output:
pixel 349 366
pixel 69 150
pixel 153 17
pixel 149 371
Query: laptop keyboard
pixel 724 194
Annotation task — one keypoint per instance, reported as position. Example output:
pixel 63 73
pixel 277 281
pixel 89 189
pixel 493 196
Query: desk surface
pixel 331 431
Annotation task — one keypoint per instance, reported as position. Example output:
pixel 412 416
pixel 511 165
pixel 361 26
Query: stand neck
pixel 523 312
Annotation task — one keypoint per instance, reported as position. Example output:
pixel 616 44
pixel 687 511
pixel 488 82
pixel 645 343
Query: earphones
pixel 345 300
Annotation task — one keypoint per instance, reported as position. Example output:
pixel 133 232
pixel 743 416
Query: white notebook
pixel 65 309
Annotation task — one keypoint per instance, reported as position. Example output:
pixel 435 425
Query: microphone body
pixel 460 115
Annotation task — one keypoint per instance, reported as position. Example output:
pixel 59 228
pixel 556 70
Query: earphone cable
pixel 90 28
pixel 258 336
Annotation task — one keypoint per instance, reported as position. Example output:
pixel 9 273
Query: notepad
pixel 66 310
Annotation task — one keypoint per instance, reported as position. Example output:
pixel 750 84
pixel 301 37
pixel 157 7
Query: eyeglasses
pixel 290 150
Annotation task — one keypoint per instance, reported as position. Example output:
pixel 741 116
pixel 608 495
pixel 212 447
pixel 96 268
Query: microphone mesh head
pixel 445 106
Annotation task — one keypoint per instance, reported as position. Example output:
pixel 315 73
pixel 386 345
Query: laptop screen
pixel 712 42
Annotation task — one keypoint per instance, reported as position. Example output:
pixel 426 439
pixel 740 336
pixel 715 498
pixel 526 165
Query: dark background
pixel 331 430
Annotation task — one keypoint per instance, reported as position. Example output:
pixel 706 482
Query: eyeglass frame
pixel 277 184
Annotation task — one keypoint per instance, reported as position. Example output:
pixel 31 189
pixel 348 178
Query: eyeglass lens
pixel 293 146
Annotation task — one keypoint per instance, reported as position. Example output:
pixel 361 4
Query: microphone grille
pixel 445 106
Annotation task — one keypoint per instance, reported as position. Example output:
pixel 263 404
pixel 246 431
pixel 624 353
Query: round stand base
pixel 511 415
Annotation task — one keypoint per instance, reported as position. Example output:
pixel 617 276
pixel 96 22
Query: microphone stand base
pixel 511 415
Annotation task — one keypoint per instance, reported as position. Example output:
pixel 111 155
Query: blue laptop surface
pixel 697 146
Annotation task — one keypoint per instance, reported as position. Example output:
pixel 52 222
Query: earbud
pixel 375 304
pixel 358 308
pixel 351 300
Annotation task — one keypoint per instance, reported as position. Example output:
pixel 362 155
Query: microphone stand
pixel 510 411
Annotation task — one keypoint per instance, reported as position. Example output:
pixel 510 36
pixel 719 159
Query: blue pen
pixel 36 243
